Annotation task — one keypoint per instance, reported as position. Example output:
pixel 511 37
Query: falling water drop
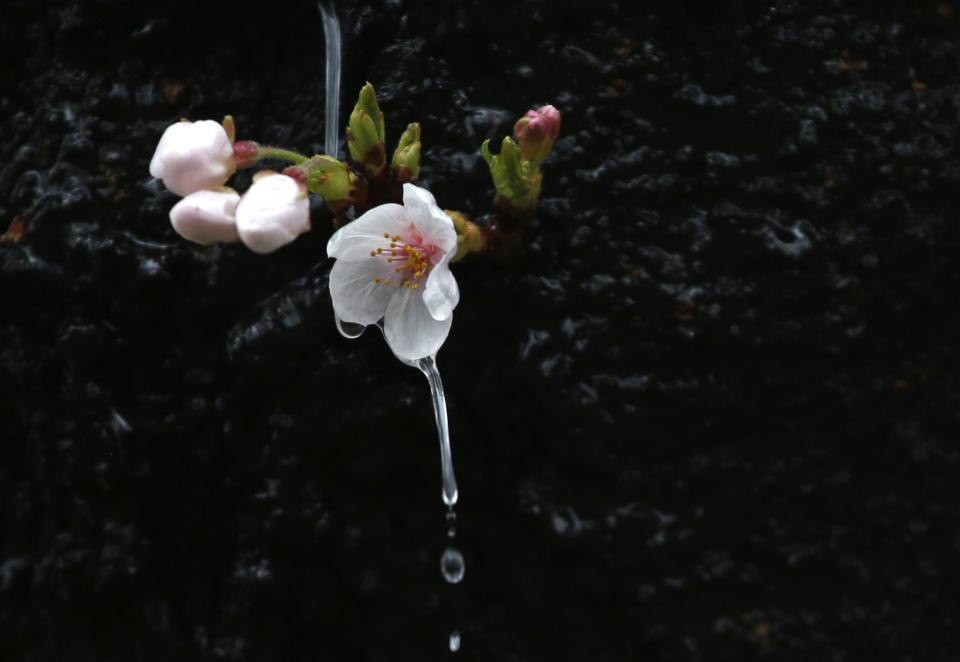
pixel 451 522
pixel 455 641
pixel 452 565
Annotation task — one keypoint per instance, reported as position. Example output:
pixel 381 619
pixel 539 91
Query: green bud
pixel 334 181
pixel 470 238
pixel 406 159
pixel 517 183
pixel 365 133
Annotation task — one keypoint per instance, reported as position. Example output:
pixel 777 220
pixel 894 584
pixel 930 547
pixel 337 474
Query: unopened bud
pixel 406 159
pixel 536 132
pixel 192 156
pixel 207 216
pixel 517 183
pixel 470 238
pixel 334 181
pixel 365 133
pixel 273 212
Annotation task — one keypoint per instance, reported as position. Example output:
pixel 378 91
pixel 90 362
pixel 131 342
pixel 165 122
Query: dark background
pixel 711 414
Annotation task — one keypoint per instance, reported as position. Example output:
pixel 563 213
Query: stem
pixel 264 152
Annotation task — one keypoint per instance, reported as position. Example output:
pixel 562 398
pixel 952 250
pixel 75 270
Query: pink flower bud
pixel 206 216
pixel 273 212
pixel 536 132
pixel 192 156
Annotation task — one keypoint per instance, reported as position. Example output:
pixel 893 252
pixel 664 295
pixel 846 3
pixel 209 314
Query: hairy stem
pixel 265 152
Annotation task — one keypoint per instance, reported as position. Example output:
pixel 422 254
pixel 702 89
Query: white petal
pixel 431 221
pixel 410 330
pixel 273 212
pixel 192 156
pixel 441 294
pixel 206 216
pixel 355 240
pixel 356 297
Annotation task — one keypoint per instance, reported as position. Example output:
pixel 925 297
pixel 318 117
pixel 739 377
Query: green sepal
pixel 366 132
pixel 334 181
pixel 406 158
pixel 517 184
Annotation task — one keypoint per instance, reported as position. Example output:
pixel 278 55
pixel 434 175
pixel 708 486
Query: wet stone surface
pixel 711 414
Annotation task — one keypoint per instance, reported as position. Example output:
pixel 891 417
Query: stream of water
pixel 452 565
pixel 331 37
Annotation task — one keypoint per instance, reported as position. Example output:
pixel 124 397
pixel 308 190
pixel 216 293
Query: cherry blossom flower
pixel 192 156
pixel 393 263
pixel 208 216
pixel 273 212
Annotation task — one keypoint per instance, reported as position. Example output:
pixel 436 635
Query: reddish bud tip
pixel 245 153
pixel 544 122
pixel 296 173
pixel 536 131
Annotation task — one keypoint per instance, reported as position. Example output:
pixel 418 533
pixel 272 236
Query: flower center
pixel 411 259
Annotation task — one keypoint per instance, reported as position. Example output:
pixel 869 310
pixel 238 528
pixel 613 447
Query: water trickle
pixel 331 35
pixel 428 366
pixel 452 565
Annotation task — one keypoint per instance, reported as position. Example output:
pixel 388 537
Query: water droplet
pixel 349 330
pixel 452 532
pixel 452 565
pixel 455 641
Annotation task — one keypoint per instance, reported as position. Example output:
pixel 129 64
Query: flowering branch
pixel 195 160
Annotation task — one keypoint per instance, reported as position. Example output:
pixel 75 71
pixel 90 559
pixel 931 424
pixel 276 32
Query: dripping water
pixel 452 565
pixel 428 366
pixel 453 568
pixel 331 35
